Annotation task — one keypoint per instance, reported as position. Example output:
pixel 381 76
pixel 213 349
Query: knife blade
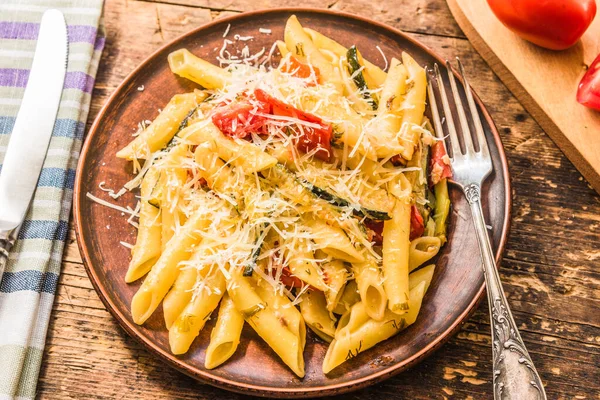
pixel 33 127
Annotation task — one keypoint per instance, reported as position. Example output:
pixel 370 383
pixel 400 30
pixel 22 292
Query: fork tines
pixel 473 115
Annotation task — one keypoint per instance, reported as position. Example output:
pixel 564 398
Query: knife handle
pixel 7 240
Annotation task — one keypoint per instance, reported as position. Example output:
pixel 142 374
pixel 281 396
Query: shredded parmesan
pixel 259 221
pixel 111 192
pixel 109 205
pixel 125 244
pixel 384 57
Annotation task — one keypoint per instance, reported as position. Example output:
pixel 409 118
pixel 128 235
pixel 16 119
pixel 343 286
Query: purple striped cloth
pixel 28 285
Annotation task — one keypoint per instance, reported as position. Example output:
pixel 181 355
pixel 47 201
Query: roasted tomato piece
pixel 416 223
pixel 241 117
pixel 316 137
pixel 439 166
pixel 298 69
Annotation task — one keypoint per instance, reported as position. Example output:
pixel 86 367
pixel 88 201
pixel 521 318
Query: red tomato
pixel 417 227
pixel 376 228
pixel 311 138
pixel 239 118
pixel 290 280
pixel 416 223
pixel 300 70
pixel 553 24
pixel 588 92
pixel 438 167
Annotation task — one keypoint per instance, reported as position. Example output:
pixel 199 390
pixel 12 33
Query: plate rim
pixel 268 391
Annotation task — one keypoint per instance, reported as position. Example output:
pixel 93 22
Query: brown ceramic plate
pixel 458 282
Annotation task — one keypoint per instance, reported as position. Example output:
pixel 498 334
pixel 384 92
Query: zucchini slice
pixel 260 240
pixel 374 205
pixel 156 193
pixel 361 78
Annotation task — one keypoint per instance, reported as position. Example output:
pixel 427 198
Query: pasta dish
pixel 311 193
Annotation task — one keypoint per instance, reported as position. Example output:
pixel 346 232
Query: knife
pixel 33 127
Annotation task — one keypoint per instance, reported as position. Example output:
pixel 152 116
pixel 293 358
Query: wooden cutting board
pixel 544 81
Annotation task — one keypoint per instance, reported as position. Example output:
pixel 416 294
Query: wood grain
pixel 544 81
pixel 550 268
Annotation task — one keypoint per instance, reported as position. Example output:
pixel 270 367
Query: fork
pixel 514 375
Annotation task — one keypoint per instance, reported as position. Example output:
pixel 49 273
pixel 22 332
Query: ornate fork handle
pixel 515 377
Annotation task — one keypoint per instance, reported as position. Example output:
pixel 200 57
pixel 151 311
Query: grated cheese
pixel 384 57
pixel 259 220
pixel 227 30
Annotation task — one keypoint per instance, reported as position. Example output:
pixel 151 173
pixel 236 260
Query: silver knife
pixel 33 127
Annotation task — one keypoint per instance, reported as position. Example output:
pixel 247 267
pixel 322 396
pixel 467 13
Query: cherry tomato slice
pixel 312 138
pixel 241 117
pixel 416 223
pixel 439 166
pixel 298 69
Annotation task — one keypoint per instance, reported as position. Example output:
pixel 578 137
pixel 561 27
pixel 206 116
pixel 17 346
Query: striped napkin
pixel 29 281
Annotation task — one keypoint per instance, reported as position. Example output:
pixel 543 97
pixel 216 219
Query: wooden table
pixel 551 267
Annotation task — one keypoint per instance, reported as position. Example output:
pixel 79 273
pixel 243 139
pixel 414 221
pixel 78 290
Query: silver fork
pixel 514 375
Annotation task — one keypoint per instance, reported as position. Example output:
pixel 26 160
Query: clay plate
pixel 458 282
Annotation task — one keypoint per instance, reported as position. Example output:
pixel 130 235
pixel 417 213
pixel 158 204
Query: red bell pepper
pixel 588 92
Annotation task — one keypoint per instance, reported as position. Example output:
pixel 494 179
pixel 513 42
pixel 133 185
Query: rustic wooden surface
pixel 550 270
pixel 541 90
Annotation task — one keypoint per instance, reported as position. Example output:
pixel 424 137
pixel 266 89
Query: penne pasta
pixel 360 332
pixel 205 74
pixel 181 293
pixel 301 45
pixel 283 50
pixel 323 42
pixel 396 234
pixel 271 324
pixel 193 317
pixel 165 271
pixel 422 250
pixel 147 247
pixel 236 152
pixel 288 192
pixel 302 264
pixel 225 336
pixel 424 274
pixel 369 282
pixel 333 241
pixel 388 123
pixel 313 308
pixel 171 182
pixel 350 296
pixel 413 106
pixel 163 128
pixel 335 276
